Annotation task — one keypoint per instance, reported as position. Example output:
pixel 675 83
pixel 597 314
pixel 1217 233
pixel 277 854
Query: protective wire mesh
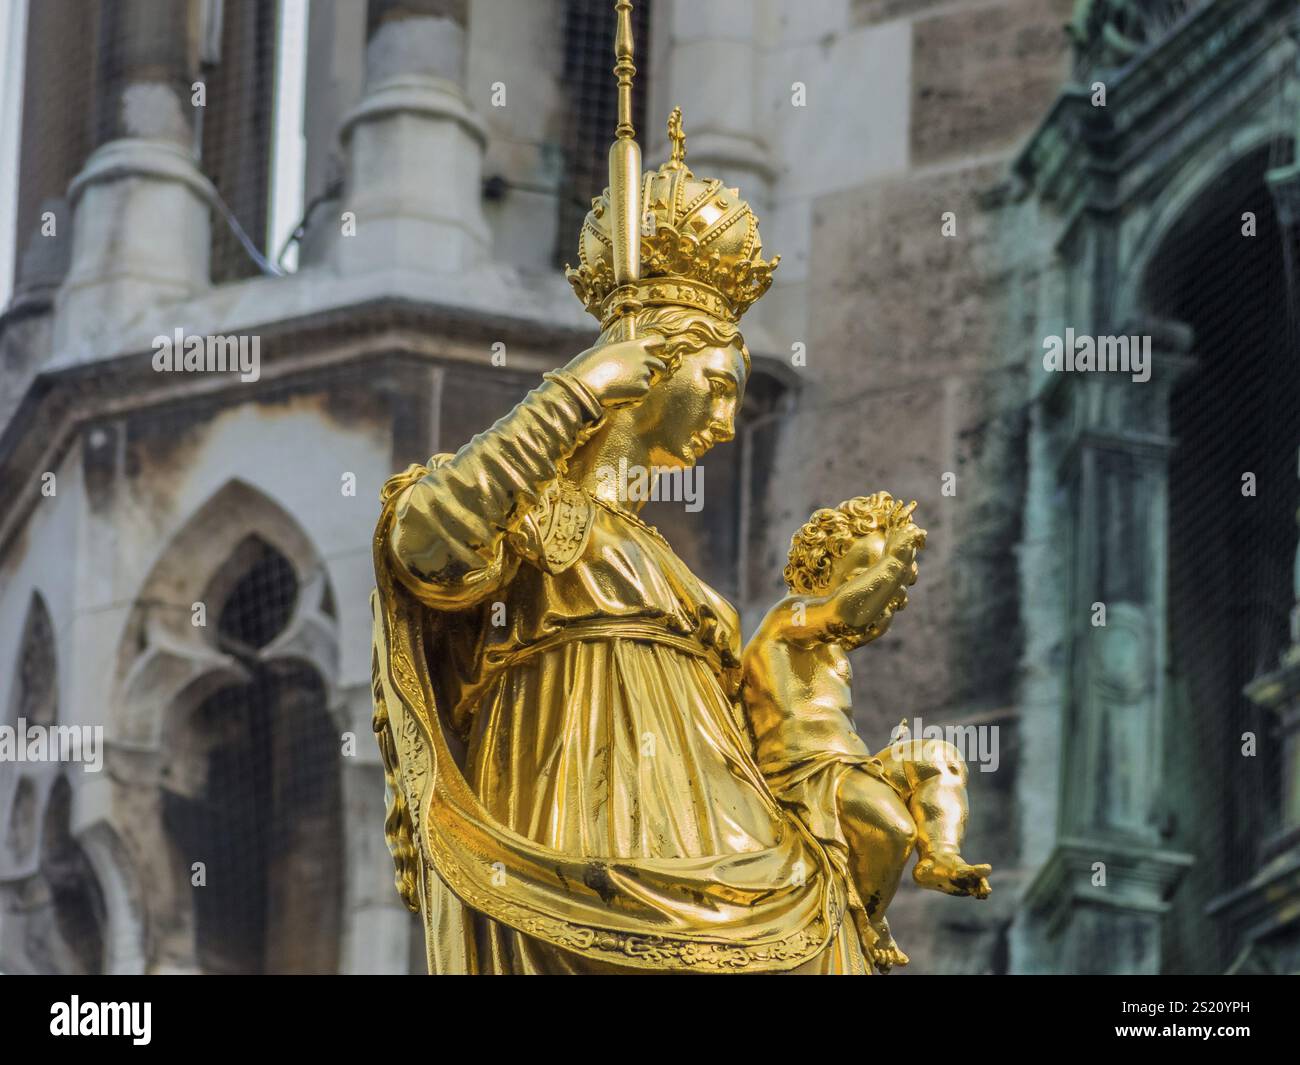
pixel 260 811
pixel 234 131
pixel 1233 496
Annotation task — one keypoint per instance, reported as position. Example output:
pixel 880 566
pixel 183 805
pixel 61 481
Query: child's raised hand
pixel 904 542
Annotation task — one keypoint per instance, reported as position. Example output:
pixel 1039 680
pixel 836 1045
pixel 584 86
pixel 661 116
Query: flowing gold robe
pixel 556 702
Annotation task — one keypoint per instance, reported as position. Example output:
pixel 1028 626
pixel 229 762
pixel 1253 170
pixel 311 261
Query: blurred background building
pixel 384 193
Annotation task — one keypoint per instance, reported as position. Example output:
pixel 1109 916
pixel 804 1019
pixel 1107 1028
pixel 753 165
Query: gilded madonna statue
pixel 572 777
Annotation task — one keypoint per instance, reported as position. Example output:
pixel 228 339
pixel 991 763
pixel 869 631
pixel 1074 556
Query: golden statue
pixel 573 776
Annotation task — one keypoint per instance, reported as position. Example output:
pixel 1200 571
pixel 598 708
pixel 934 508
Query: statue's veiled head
pixel 701 268
pixel 694 406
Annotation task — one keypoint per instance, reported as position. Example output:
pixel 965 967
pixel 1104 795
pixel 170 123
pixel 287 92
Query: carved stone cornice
pixel 368 333
pixel 1109 33
pixel 1139 878
pixel 1207 67
pixel 1264 916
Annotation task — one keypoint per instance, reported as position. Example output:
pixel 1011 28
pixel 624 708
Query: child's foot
pixel 951 874
pixel 885 953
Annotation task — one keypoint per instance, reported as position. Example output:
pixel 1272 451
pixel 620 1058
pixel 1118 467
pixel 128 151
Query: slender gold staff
pixel 625 176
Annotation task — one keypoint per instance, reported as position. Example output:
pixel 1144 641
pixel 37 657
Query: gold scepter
pixel 625 177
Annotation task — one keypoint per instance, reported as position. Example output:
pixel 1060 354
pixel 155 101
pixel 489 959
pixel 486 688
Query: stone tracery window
pixel 261 808
pixel 54 919
pixel 33 700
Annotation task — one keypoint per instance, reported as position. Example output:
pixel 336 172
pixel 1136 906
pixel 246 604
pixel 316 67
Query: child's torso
pixel 806 711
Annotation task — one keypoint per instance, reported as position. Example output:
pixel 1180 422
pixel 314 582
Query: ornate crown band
pixel 675 291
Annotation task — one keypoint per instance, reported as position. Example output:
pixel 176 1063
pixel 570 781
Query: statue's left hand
pixel 620 374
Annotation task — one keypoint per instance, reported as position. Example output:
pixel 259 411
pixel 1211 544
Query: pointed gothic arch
pixel 168 652
pixel 25 787
pixel 1182 197
pixel 55 916
pixel 227 677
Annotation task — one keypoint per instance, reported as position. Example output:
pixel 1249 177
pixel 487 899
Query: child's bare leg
pixel 880 833
pixel 932 774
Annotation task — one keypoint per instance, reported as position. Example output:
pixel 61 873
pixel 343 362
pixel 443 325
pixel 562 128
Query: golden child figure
pixel 848 573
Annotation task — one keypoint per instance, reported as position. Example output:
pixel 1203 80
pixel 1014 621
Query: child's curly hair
pixel 829 533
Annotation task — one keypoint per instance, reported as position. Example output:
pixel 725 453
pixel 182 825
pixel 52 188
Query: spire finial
pixel 625 169
pixel 624 69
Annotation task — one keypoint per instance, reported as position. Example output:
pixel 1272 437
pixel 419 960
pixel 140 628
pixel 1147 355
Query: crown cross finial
pixel 677 137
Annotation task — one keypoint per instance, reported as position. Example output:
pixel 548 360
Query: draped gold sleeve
pixel 447 538
pixel 453 524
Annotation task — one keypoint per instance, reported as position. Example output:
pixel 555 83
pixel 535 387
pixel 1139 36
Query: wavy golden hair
pixel 830 532
pixel 686 330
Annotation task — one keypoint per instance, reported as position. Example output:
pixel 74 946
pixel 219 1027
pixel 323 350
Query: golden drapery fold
pixel 606 813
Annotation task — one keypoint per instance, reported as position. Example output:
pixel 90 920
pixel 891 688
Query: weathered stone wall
pixel 915 379
pixel 907 111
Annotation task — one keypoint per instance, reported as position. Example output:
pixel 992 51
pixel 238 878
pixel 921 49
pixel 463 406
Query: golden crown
pixel 699 246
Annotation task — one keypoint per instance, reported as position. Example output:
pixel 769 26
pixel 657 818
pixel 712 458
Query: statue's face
pixel 695 408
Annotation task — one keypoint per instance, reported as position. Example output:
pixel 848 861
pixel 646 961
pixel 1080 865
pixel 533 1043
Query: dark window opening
pixel 260 605
pixel 235 132
pixel 75 939
pixel 1231 554
pixel 267 827
pixel 265 819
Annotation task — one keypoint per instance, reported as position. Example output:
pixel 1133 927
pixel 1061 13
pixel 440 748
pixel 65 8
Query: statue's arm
pixel 448 538
pixel 859 601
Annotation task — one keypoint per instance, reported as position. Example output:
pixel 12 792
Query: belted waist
pixel 639 629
